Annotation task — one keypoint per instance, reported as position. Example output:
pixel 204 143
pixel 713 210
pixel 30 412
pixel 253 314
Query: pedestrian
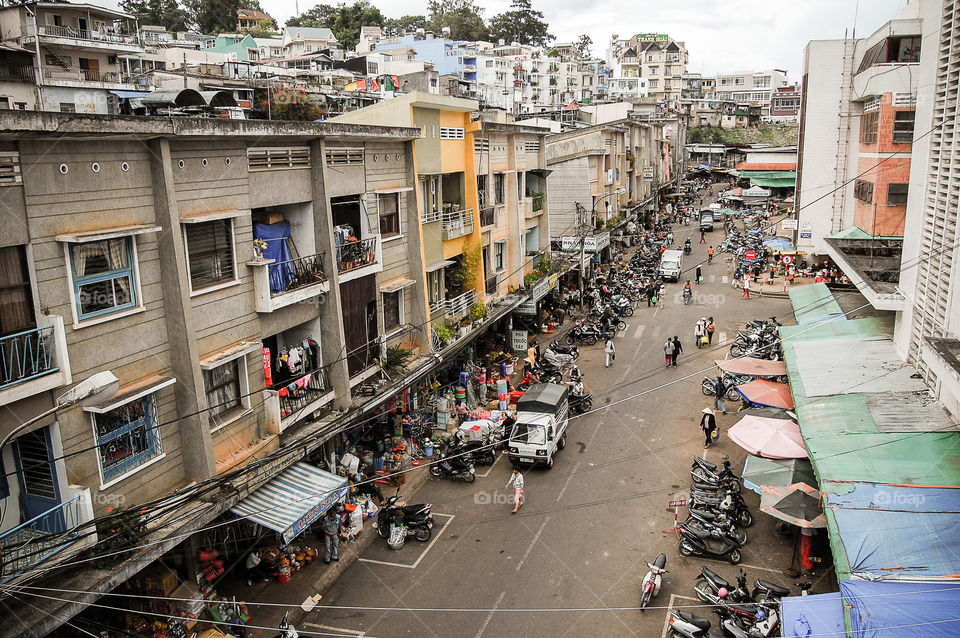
pixel 711 328
pixel 604 326
pixel 668 351
pixel 255 569
pixel 703 237
pixel 791 273
pixel 559 312
pixel 331 536
pixel 708 423
pixel 699 274
pixel 610 351
pixel 677 349
pixel 720 394
pixel 746 288
pixel 651 295
pixel 710 254
pixel 699 331
pixel 516 479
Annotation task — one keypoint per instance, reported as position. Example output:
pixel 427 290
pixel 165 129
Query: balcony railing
pixel 430 216
pixel 277 285
pixel 41 537
pixel 27 355
pixel 488 216
pixel 536 202
pixel 313 386
pixel 54 31
pixel 356 254
pixel 22 72
pixel 54 73
pixel 457 223
pixel 458 306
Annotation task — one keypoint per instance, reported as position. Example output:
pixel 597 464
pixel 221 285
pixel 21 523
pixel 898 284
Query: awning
pixel 230 353
pixel 108 233
pixel 440 264
pixel 752 366
pixel 818 615
pixel 395 284
pixel 131 94
pixel 762 392
pixel 288 503
pixel 209 216
pixel 388 191
pixel 131 392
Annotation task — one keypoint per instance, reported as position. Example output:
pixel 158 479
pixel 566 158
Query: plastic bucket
pixel 428 450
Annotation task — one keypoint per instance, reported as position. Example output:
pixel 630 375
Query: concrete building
pixel 449 57
pixel 654 56
pixel 302 40
pixel 250 19
pixel 785 104
pixel 751 87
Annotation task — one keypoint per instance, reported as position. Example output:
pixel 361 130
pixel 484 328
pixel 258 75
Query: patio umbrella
pixel 798 504
pixel 759 471
pixel 768 393
pixel 752 366
pixel 772 438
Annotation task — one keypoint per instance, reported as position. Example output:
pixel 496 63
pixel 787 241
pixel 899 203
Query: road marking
pixel 351 632
pixel 429 546
pixel 493 610
pixel 722 336
pixel 724 280
pixel 639 331
pixel 536 537
pixel 567 482
pixel 492 465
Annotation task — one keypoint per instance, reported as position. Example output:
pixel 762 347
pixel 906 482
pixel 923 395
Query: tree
pixel 213 16
pixel 343 19
pixel 165 13
pixel 582 45
pixel 404 25
pixel 521 24
pixel 463 17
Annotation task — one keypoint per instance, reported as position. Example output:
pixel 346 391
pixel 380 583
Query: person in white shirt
pixel 610 350
pixel 516 479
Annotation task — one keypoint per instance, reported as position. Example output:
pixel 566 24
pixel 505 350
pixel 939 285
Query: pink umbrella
pixel 763 392
pixel 772 438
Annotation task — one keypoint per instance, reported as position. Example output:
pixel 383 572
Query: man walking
pixel 516 479
pixel 699 274
pixel 708 423
pixel 746 288
pixel 331 536
pixel 719 394
pixel 699 331
pixel 668 351
pixel 677 349
pixel 610 350
pixel 703 237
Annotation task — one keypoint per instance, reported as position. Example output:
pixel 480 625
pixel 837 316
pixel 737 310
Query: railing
pixel 38 539
pixel 488 216
pixel 430 216
pixel 356 254
pixel 536 201
pixel 86 75
pixel 459 305
pixel 457 223
pixel 54 31
pixel 296 400
pixel 291 275
pixel 23 72
pixel 26 355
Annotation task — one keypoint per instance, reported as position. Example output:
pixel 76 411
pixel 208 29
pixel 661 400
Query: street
pixel 580 544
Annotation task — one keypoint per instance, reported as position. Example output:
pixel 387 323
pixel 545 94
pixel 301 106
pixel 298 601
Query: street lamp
pixel 101 385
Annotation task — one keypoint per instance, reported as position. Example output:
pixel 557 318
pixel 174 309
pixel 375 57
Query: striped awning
pixel 290 502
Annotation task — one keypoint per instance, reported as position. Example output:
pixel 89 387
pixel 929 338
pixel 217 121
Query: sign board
pixel 648 173
pixel 789 224
pixel 526 308
pixel 750 255
pixel 652 37
pixel 787 260
pixel 591 243
pixel 680 502
pixel 518 339
pixel 540 289
pixel 316 512
pixel 806 235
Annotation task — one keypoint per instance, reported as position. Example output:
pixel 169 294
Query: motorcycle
pixel 709 387
pixel 751 620
pixel 455 468
pixel 683 623
pixel 557 359
pixel 719 525
pixel 704 471
pixel 286 629
pixel 695 542
pixel 581 403
pixel 687 248
pixel 416 518
pixel 728 505
pixel 477 452
pixel 573 351
pixel 582 334
pixel 651 582
pixel 709 584
pixel 765 590
pixel 687 296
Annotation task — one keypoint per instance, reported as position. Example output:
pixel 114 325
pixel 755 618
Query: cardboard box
pixel 160 579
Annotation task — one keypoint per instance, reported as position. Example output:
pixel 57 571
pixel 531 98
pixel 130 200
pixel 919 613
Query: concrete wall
pixel 566 185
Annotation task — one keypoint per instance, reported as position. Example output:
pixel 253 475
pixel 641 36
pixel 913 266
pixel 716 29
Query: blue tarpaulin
pixel 902 610
pixel 276 236
pixel 892 532
pixel 813 616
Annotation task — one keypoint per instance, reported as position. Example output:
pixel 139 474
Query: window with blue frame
pixel 127 436
pixel 103 276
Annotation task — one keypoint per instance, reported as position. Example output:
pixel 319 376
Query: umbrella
pixel 768 393
pixel 772 438
pixel 798 504
pixel 759 471
pixel 752 366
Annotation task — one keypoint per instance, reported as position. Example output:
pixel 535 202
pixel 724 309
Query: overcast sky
pixel 721 35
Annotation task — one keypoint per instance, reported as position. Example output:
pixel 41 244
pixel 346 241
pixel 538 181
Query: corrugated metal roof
pixel 845 366
pixel 908 412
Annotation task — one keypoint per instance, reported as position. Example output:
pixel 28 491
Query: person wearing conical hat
pixel 708 423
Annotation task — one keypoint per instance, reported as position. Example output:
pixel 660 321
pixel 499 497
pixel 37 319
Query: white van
pixel 671 264
pixel 715 206
pixel 541 427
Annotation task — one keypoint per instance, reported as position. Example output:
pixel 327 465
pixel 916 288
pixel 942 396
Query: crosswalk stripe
pixel 713 279
pixel 639 332
pixel 724 280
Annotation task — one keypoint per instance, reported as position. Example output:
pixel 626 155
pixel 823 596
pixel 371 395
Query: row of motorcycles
pixel 760 340
pixel 718 517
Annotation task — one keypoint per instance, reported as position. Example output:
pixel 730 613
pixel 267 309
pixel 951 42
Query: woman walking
pixel 668 351
pixel 699 331
pixel 677 349
pixel 708 423
pixel 516 479
pixel 711 328
pixel 611 351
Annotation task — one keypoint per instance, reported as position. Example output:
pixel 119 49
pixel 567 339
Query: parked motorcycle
pixel 573 351
pixel 453 468
pixel 581 333
pixel 765 590
pixel 477 452
pixel 581 403
pixel 651 582
pixel 709 585
pixel 704 471
pixel 719 525
pixel 688 625
pixel 416 518
pixel 708 387
pixel 695 542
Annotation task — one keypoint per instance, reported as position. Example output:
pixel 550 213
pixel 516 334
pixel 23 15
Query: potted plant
pixel 443 332
pixel 397 357
pixel 259 246
pixel 478 312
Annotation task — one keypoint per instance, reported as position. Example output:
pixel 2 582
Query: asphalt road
pixel 581 542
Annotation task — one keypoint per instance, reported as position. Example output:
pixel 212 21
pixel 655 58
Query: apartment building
pixel 303 40
pixel 80 57
pixel 449 57
pixel 785 104
pixel 130 247
pixel 654 56
pixel 751 87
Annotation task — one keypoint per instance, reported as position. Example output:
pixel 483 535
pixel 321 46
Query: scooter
pixel 719 525
pixel 580 403
pixel 704 471
pixel 687 625
pixel 455 469
pixel 416 518
pixel 696 542
pixel 651 582
pixel 286 629
pixel 765 590
pixel 687 296
pixel 573 351
pixel 709 584
pixel 687 248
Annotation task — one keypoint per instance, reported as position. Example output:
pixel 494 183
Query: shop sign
pixel 601 241
pixel 789 224
pixel 652 37
pixel 553 280
pixel 315 512
pixel 540 290
pixel 526 308
pixel 806 235
pixel 569 244
pixel 264 473
pixel 648 173
pixel 518 339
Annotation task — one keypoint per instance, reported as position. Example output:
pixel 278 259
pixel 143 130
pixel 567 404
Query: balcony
pixel 17 72
pixel 68 36
pixel 455 307
pixel 533 205
pixel 457 223
pixel 60 76
pixel 34 361
pixel 44 536
pixel 359 258
pixel 277 285
pixel 286 407
pixel 488 217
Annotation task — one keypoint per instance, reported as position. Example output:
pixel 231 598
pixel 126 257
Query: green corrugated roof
pixel 855 232
pixel 774 182
pixel 813 303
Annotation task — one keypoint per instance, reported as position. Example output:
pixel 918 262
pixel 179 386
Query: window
pixel 654 84
pixel 390 215
pixel 738 81
pixel 498 190
pixel 127 436
pixel 863 190
pixel 275 158
pixel 654 70
pixel 103 276
pixel 68 107
pixel 451 133
pixel 430 196
pixel 498 255
pixel 481 191
pixel 434 280
pixel 903 126
pixel 210 253
pixel 392 311
pixel 16 300
pixel 868 127
pixel 222 388
pixel 903 49
pixel 897 193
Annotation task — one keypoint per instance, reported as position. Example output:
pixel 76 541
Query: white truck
pixel 541 427
pixel 671 264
